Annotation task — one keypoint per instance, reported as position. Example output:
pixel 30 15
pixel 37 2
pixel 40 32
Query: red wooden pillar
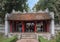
pixel 10 26
pixel 44 26
pixel 35 26
pixel 14 26
pixel 47 26
pixel 23 27
pixel 16 22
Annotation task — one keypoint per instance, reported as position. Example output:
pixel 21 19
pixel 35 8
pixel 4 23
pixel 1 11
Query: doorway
pixel 29 27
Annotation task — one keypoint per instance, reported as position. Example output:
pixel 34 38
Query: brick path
pixel 27 40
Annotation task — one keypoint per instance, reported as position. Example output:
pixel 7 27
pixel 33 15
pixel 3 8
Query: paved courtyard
pixel 27 40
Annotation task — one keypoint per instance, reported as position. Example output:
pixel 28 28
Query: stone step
pixel 27 40
pixel 30 36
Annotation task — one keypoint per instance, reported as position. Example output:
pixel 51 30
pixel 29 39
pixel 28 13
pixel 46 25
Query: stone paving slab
pixel 27 40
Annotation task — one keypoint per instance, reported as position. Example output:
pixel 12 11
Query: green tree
pixel 15 4
pixel 2 11
pixel 52 5
pixel 6 6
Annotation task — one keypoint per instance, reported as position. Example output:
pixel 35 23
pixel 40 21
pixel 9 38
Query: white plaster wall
pixel 6 25
pixel 52 26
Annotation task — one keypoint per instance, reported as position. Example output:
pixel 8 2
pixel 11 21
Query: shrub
pixel 41 39
pixel 12 39
pixel 58 37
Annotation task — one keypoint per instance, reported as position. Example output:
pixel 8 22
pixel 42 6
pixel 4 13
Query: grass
pixel 4 39
pixel 41 39
pixel 11 39
pixel 53 40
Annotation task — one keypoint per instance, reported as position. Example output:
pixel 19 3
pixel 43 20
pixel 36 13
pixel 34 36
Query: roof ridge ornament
pixel 16 12
pixel 13 11
pixel 41 11
pixel 52 15
pixel 7 14
pixel 19 11
pixel 24 11
pixel 47 10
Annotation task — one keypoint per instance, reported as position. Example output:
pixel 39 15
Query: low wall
pixel 57 28
pixel 2 28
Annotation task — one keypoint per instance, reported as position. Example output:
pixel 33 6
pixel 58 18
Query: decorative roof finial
pixel 47 10
pixel 13 11
pixel 19 11
pixel 41 11
pixel 24 11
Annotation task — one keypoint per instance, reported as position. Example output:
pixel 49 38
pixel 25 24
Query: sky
pixel 31 3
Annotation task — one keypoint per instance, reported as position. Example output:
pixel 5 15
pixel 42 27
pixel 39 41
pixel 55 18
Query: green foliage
pixel 12 39
pixel 2 38
pixel 43 4
pixel 15 4
pixel 5 39
pixel 56 20
pixel 41 39
pixel 6 6
pixel 58 37
pixel 52 5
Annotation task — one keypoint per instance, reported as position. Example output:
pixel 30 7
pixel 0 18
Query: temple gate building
pixel 33 23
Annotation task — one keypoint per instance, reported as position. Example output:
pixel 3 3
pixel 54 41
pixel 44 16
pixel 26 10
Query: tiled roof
pixel 29 16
